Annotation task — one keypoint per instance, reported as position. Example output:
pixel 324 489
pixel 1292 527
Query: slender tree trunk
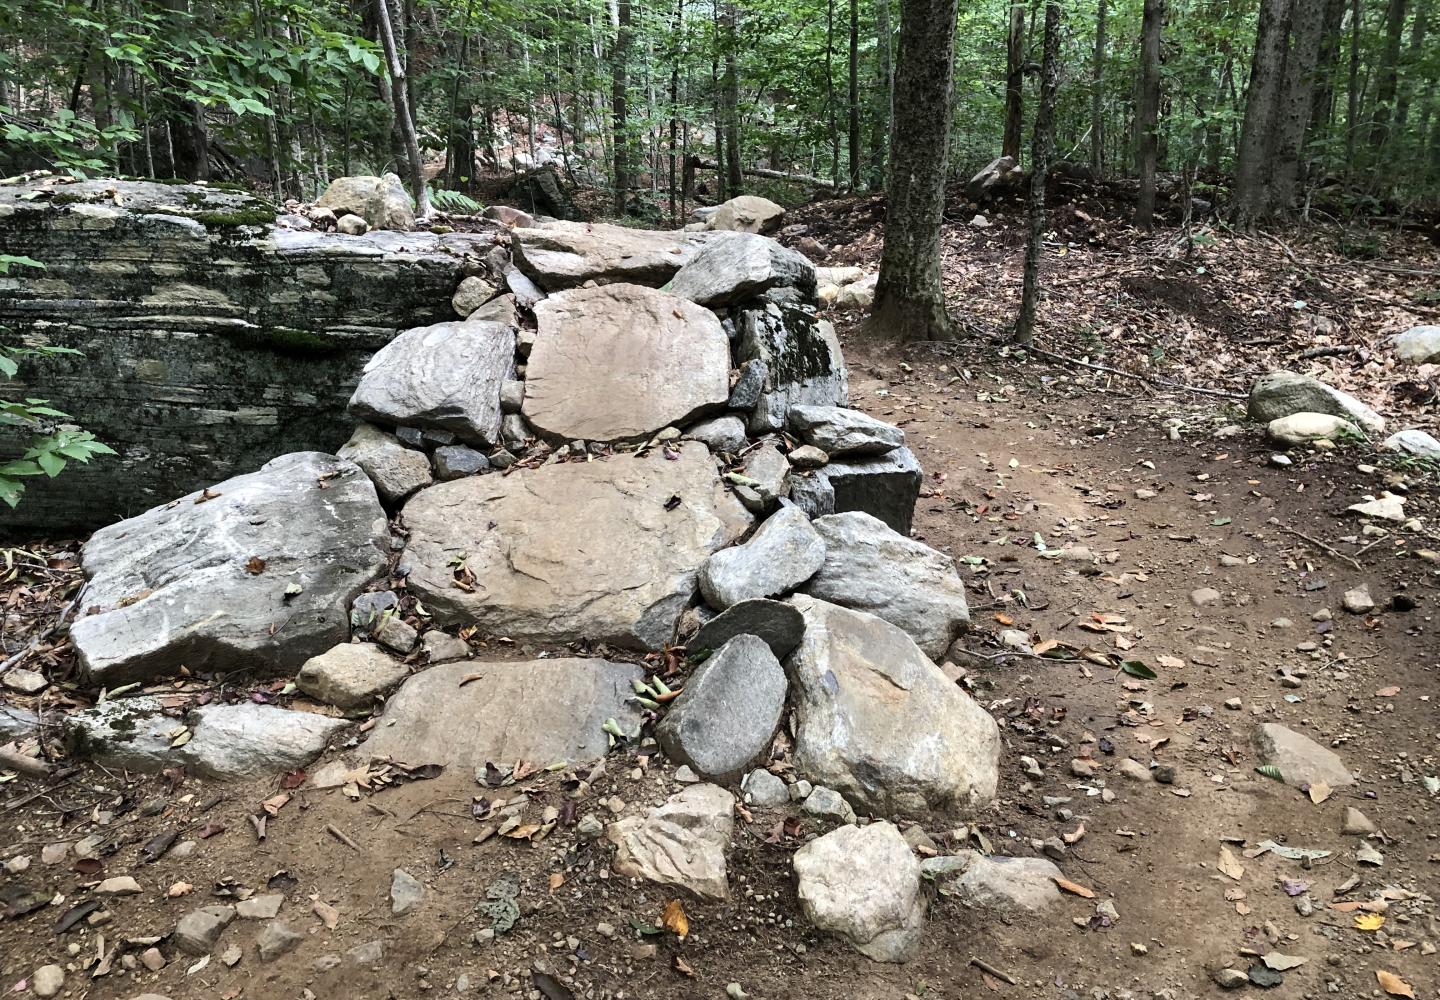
pixel 1352 96
pixel 1042 145
pixel 189 141
pixel 1287 162
pixel 909 298
pixel 884 97
pixel 854 94
pixel 1322 107
pixel 1014 83
pixel 1097 98
pixel 830 93
pixel 1414 54
pixel 1267 75
pixel 677 52
pixel 1147 121
pixel 1389 73
pixel 734 177
pixel 619 103
pixel 400 94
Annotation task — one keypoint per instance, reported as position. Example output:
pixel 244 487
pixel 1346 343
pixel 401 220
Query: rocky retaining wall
pixel 213 338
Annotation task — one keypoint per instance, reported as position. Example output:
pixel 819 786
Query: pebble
pixel 121 885
pixel 152 959
pixel 53 854
pixel 1229 979
pixel 47 980
pixel 276 940
pixel 1234 704
pixel 1356 823
pixel 1082 767
pixel 589 827
pixel 1358 601
pixel 1134 770
pixel 1204 596
pixel 406 892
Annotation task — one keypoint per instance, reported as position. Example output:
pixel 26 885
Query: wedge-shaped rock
pixel 738 266
pixel 681 843
pixel 352 675
pixel 542 711
pixel 1281 393
pixel 886 486
pixel 445 376
pixel 561 255
pixel 599 551
pixel 779 624
pixel 729 711
pixel 620 362
pixel 803 362
pixel 870 567
pixel 1300 759
pixel 782 554
pixel 863 883
pixel 881 724
pixel 224 742
pixel 396 471
pixel 840 431
pixel 748 213
pixel 255 572
pixel 997 880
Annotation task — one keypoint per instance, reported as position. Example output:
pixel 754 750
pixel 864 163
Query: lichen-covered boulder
pixel 380 201
pixel 748 213
pixel 256 572
pixel 739 266
pixel 1282 393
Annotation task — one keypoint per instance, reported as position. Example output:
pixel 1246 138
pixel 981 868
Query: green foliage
pixel 455 202
pixel 51 445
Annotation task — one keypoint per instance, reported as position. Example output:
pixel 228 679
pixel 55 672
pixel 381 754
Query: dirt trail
pixel 1011 453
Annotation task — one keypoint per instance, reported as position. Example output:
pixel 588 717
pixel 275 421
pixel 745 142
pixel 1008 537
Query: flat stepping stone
pixel 542 711
pixel 603 551
pixel 561 255
pixel 620 362
pixel 255 572
pixel 1300 760
pixel 779 624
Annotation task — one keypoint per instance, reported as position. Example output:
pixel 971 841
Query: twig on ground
pixel 1321 545
pixel 28 767
pixel 339 835
pixel 1164 383
pixel 999 974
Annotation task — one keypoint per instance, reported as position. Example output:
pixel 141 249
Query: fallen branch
pixel 774 175
pixel 1165 383
pixel 1321 545
pixel 999 974
pixel 25 766
pixel 339 835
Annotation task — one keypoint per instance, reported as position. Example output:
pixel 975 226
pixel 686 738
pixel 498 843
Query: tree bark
pixel 1147 118
pixel 1042 145
pixel 909 300
pixel 1308 21
pixel 1267 74
pixel 1352 94
pixel 619 103
pixel 1097 102
pixel 1413 55
pixel 1389 73
pixel 184 119
pixel 400 94
pixel 734 178
pixel 854 94
pixel 830 93
pixel 1014 83
pixel 884 102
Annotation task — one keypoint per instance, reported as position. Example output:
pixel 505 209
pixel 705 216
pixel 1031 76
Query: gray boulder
pixel 456 461
pixel 885 486
pixel 1281 393
pixel 1007 883
pixel 256 572
pixel 769 470
pixel 870 567
pixel 445 376
pixel 761 788
pixel 739 266
pixel 396 471
pixel 472 293
pixel 840 432
pixel 746 391
pixel 783 553
pixel 620 362
pixel 591 551
pixel 1303 428
pixel 542 711
pixel 680 844
pixel 747 213
pixel 723 435
pixel 350 676
pixel 1419 345
pixel 223 742
pixel 380 201
pixel 498 310
pixel 778 624
pixel 803 362
pixel 560 255
pixel 881 723
pixel 863 883
pixel 1414 442
pixel 725 719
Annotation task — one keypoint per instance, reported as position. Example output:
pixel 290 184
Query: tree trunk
pixel 1014 83
pixel 400 94
pixel 884 102
pixel 734 179
pixel 854 94
pixel 1147 120
pixel 1352 95
pixel 1267 75
pixel 185 119
pixel 1097 103
pixel 1414 54
pixel 1042 145
pixel 677 33
pixel 909 299
pixel 619 103
pixel 1322 106
pixel 1389 72
pixel 1308 21
pixel 830 93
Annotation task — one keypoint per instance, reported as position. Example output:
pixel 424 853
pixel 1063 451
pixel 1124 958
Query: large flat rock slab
pixel 563 255
pixel 542 711
pixel 604 551
pixel 256 572
pixel 619 362
pixel 881 724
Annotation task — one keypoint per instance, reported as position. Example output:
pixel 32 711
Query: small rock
pixel 1229 979
pixel 1204 596
pixel 827 804
pixel 406 892
pixel 863 883
pixel 276 940
pixel 1358 601
pixel 47 980
pixel 260 907
pixel 231 956
pixel 25 681
pixel 1356 823
pixel 1134 770
pixel 455 461
pixel 1234 704
pixel 397 634
pixel 121 885
pixel 761 788
pixel 198 930
pixel 152 959
pixel 53 854
pixel 808 456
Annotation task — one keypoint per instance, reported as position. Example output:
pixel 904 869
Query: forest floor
pixel 1022 457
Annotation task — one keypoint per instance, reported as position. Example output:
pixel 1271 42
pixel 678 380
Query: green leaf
pixel 1137 668
pixel 1270 771
pixel 21 467
pixel 52 463
pixel 8 366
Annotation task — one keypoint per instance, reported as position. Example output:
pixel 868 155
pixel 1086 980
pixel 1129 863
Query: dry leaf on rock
pixel 1229 865
pixel 1394 985
pixel 674 919
pixel 1074 888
